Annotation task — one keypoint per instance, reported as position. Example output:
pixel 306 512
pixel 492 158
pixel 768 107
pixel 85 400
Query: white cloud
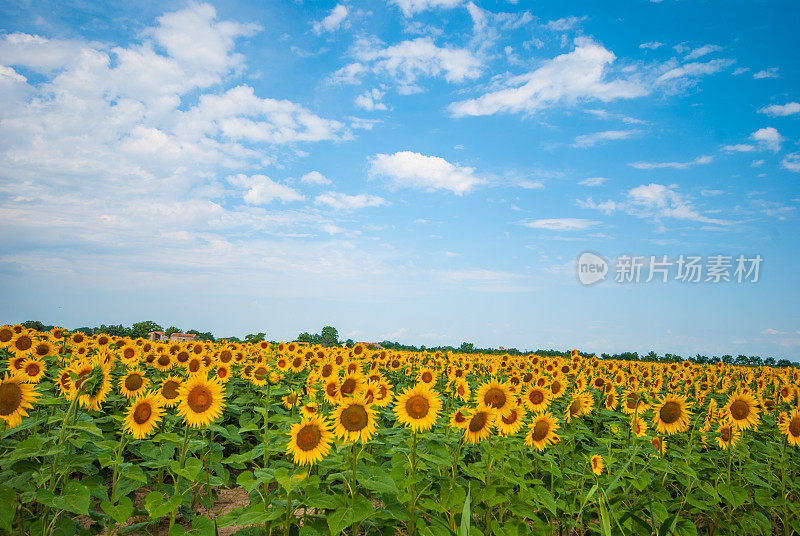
pixel 414 170
pixel 371 100
pixel 340 201
pixel 565 24
pixel 770 331
pixel 333 21
pixel 561 224
pixel 768 138
pixel 683 73
pixel 408 61
pixel 411 7
pixel 652 45
pixel 654 201
pixel 790 108
pixel 702 51
pixel 791 162
pixel 315 177
pixel 772 72
pixel 261 190
pixel 531 185
pixel 739 148
pixel 590 140
pixel 593 181
pixel 711 193
pixel 672 165
pixel 577 76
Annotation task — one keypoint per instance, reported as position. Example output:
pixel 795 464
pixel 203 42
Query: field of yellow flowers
pixel 126 436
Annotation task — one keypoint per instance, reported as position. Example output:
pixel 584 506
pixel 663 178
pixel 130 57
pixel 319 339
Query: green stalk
pixel 177 488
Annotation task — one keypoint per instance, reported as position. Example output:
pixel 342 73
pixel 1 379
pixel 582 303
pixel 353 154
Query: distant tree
pixel 329 336
pixel 466 347
pixel 785 363
pixel 141 329
pixel 254 337
pixel 305 337
pixel 349 343
pixel 770 361
pixel 35 324
pixel 202 336
pixel 172 329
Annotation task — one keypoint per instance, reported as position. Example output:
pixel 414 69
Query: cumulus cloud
pixel 776 110
pixel 408 61
pixel 412 7
pixel 701 160
pixel 656 202
pixel 593 181
pixel 702 51
pixel 341 201
pixel 333 21
pixel 652 45
pixel 683 74
pixel 561 224
pixel 768 138
pixel 371 100
pixel 772 72
pixel 407 169
pixel 261 190
pixel 580 75
pixel 739 148
pixel 791 162
pixel 315 177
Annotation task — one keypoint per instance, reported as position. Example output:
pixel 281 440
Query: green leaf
pixel 546 498
pixel 191 468
pixel 89 427
pixel 323 501
pixel 157 507
pixel 605 518
pixel 340 520
pixel 134 472
pixel 119 512
pixel 466 514
pixel 203 526
pixel 247 481
pixel 379 482
pixel 8 507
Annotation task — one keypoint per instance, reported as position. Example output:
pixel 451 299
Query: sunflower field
pixel 106 435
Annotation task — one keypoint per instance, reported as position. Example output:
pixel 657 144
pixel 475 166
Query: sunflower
pixel 542 431
pixel 671 415
pixel 581 404
pixel 479 425
pixel 354 420
pixel 331 391
pixel 309 440
pixel 297 364
pixel 495 396
pixel 351 385
pixel 43 349
pixel 741 410
pixel 510 425
pixel 791 427
pixel 310 409
pixel 16 396
pixel 537 398
pixel 461 389
pixel 632 402
pixel 223 373
pixel 459 418
pixel 427 376
pixel 133 384
pixel 597 464
pixel 291 399
pixel 556 389
pixel 169 391
pixel 259 375
pixel 612 401
pixel 94 393
pixel 143 415
pixel 638 426
pixel 201 400
pixel 6 335
pixel 728 436
pixel 32 370
pixel 418 407
pixel 384 394
pixel 22 342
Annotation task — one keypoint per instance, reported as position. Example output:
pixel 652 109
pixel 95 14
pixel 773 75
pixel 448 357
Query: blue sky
pixel 425 171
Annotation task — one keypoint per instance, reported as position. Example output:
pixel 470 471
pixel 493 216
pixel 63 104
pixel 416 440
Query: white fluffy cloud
pixel 775 110
pixel 580 75
pixel 411 7
pixel 261 190
pixel 407 169
pixel 768 138
pixel 315 177
pixel 593 181
pixel 371 100
pixel 702 51
pixel 333 21
pixel 683 74
pixel 408 61
pixel 791 162
pixel 772 72
pixel 340 201
pixel 561 224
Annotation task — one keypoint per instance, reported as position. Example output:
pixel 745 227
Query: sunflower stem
pixel 413 500
pixel 177 488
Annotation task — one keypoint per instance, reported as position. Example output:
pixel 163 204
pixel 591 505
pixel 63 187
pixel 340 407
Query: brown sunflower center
pixel 199 399
pixel 540 430
pixel 142 413
pixel 163 360
pixel 297 362
pixel 194 365
pixel 222 372
pixel 417 406
pixel 42 349
pixel 348 386
pixel 183 357
pixel 670 412
pixel 23 343
pixel 512 418
pixel 740 409
pixel 327 370
pixel 6 335
pixel 427 377
pixel 536 397
pixel 459 417
pixel 331 389
pixel 32 369
pixel 495 397
pixel 478 421
pixel 725 434
pixel 794 427
pixel 128 353
pixel 10 398
pixel 225 356
pixel 555 387
pixel 133 382
pixel 575 407
pixel 354 418
pixel 308 437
